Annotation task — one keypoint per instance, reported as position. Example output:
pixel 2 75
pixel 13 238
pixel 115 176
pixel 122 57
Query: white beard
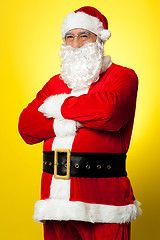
pixel 81 66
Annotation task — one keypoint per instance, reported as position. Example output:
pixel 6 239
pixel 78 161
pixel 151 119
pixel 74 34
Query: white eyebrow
pixel 68 33
pixel 83 32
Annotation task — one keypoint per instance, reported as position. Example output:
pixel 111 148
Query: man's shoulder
pixel 117 75
pixel 54 79
pixel 121 70
pixel 56 85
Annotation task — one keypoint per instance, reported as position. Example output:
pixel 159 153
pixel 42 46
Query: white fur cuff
pixel 64 127
pixel 51 108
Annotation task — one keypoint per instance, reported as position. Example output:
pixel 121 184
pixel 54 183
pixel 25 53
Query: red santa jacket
pixel 98 119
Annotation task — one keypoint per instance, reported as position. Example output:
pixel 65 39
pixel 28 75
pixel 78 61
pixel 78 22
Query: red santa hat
pixel 87 18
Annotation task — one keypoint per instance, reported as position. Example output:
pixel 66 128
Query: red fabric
pixel 75 230
pixel 107 112
pixel 94 13
pixel 110 191
pixel 109 107
pixel 33 126
pixel 45 185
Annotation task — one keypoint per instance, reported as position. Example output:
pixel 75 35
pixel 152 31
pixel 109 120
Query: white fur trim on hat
pixel 105 34
pixel 82 20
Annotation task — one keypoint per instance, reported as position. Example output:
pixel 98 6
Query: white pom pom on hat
pixel 88 18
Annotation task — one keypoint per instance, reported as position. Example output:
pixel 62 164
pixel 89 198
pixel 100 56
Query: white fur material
pixel 79 92
pixel 105 34
pixel 57 209
pixel 63 142
pixel 82 20
pixel 51 108
pixel 106 63
pixel 64 127
pixel 60 189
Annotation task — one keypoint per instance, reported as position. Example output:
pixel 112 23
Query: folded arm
pixel 34 126
pixel 107 110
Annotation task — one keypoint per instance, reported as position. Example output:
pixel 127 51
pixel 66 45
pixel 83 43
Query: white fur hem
pixel 56 209
pixel 51 108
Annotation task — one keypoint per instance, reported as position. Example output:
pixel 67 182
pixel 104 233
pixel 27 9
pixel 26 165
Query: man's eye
pixel 69 37
pixel 84 36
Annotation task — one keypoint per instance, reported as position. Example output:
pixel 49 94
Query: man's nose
pixel 76 43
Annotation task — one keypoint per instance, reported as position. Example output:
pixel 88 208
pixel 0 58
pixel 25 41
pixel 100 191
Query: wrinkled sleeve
pixel 33 126
pixel 109 109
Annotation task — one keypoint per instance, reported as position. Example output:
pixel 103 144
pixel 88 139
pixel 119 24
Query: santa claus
pixel 85 117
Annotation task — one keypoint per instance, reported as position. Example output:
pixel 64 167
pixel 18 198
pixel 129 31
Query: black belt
pixel 63 164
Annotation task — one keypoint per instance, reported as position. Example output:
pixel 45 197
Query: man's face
pixel 81 58
pixel 78 37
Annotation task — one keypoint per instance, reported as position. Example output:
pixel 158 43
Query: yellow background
pixel 29 45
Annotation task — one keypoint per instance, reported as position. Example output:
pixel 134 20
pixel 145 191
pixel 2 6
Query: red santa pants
pixel 76 230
